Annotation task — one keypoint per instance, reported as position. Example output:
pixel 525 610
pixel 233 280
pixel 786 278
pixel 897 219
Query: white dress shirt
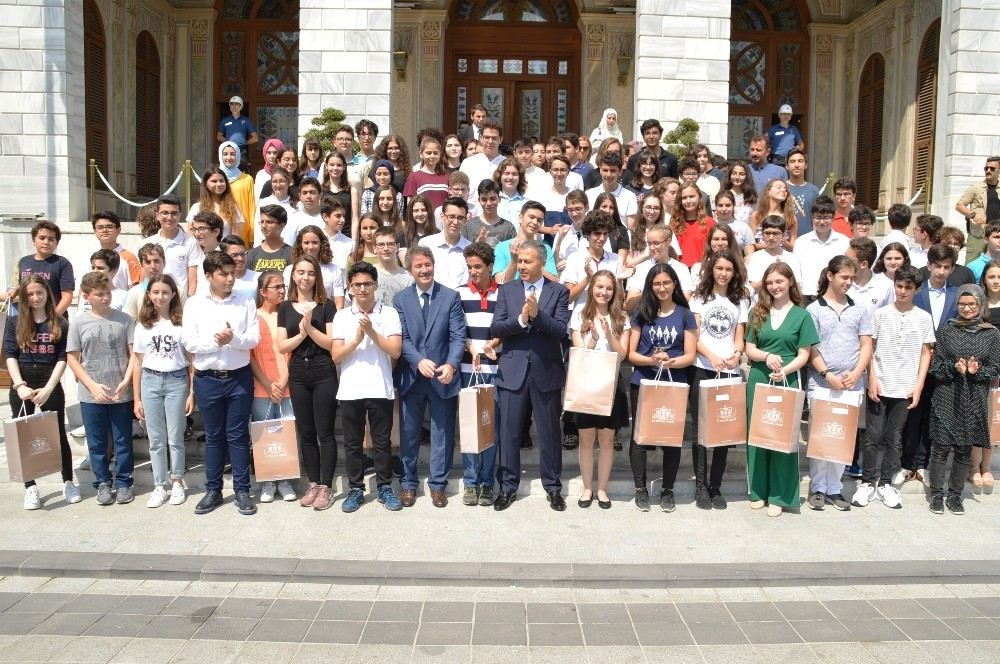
pixel 205 316
pixel 449 261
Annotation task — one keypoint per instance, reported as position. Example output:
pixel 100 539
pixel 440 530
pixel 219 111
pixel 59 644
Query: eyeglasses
pixel 363 285
pixel 862 224
pixel 385 245
pixel 989 169
pixel 199 229
pixel 968 305
pixel 455 217
pixel 276 288
pixel 238 254
pixel 105 227
pixel 655 244
pixel 772 233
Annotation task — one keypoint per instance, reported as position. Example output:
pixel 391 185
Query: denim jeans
pixel 99 421
pixel 163 397
pixel 225 409
pixel 265 409
pixel 477 469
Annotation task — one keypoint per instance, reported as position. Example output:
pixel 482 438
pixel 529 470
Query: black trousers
pixel 916 435
pixel 637 453
pixel 377 413
pixel 702 478
pixel 36 376
pixel 312 386
pixel 959 468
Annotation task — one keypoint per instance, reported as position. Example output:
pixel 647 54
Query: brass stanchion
pixel 93 187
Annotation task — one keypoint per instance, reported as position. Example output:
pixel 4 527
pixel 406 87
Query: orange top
pixel 265 354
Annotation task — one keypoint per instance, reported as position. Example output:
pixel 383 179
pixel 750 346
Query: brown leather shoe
pixel 439 499
pixel 407 497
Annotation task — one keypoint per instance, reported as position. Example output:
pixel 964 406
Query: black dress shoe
pixel 556 501
pixel 585 503
pixel 503 501
pixel 571 441
pixel 244 503
pixel 208 502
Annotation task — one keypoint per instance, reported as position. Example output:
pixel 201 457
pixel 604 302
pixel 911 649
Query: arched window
pixel 871 91
pixel 95 86
pixel 926 105
pixel 147 116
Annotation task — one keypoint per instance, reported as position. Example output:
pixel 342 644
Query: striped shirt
pixel 899 337
pixel 478 321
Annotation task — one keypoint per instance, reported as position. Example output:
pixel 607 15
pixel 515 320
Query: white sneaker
pixel 71 493
pixel 84 463
pixel 863 495
pixel 267 492
pixel 78 432
pixel 890 496
pixel 157 498
pixel 286 491
pixel 177 493
pixel 32 501
pixel 925 476
pixel 899 477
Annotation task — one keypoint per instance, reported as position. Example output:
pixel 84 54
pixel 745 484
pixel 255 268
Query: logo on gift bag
pixel 664 415
pixel 484 417
pixel 39 446
pixel 275 449
pixel 726 414
pixel 774 417
pixel 833 430
pixel 996 415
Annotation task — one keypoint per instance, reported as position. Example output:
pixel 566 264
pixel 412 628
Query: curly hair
pixel 404 166
pixel 522 182
pixel 678 219
pixel 761 310
pixel 325 252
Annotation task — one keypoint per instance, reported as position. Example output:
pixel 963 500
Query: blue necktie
pixel 425 305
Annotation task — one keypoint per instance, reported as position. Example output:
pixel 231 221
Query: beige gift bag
pixel 275 449
pixel 833 425
pixel 722 412
pixel 660 412
pixel 32 445
pixel 774 422
pixel 476 416
pixel 591 381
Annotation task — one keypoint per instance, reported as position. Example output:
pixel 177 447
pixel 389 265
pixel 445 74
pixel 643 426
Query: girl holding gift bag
pixel 600 324
pixel 720 307
pixel 980 466
pixel 663 337
pixel 35 348
pixel 779 336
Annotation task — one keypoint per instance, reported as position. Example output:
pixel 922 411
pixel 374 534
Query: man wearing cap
pixel 784 137
pixel 237 128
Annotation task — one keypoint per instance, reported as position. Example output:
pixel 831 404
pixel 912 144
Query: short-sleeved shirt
pixel 389 284
pixel 501 260
pixel 899 338
pixel 103 344
pixel 759 261
pixel 782 139
pixel 367 372
pixel 576 322
pixel 55 269
pixel 290 319
pixel 431 185
pixel 665 333
pixel 575 271
pixel 637 281
pixel 495 233
pixel 719 320
pixel 40 350
pixel 764 174
pixel 160 346
pixel 692 240
pixel 815 254
pixel 802 196
pixel 237 130
pixel 628 204
pixel 181 252
pixel 259 260
pixel 839 338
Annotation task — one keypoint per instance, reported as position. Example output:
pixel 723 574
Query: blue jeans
pixel 163 397
pixel 421 396
pixel 265 409
pixel 225 409
pixel 100 420
pixel 477 469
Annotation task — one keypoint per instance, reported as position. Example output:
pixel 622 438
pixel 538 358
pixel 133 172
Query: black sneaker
pixel 208 502
pixel 571 441
pixel 642 500
pixel 718 500
pixel 937 504
pixel 667 501
pixel 702 499
pixel 954 504
pixel 526 443
pixel 244 503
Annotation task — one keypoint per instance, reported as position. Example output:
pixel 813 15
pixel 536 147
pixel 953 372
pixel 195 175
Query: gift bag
pixel 366 444
pixel 5 380
pixel 32 445
pixel 774 423
pixel 476 416
pixel 995 414
pixel 591 380
pixel 722 409
pixel 833 425
pixel 275 449
pixel 660 412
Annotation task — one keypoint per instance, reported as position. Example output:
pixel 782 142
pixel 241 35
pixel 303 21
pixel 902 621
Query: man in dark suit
pixel 478 116
pixel 531 318
pixel 433 325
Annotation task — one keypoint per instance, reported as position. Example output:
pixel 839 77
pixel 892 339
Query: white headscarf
pixel 605 130
pixel 234 171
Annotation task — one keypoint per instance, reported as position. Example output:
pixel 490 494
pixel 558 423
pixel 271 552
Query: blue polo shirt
pixel 761 176
pixel 783 139
pixel 237 130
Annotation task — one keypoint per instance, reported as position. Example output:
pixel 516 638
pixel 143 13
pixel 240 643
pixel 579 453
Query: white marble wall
pixel 345 51
pixel 682 65
pixel 42 130
pixel 968 115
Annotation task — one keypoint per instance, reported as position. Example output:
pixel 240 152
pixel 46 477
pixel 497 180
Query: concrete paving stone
pixel 448 612
pixel 841 653
pixel 167 567
pixel 200 652
pixel 289 609
pixel 310 653
pixel 492 654
pixel 803 610
pixel 396 611
pixel 606 613
pixel 987 606
pixel 822 631
pixel 335 631
pixel 524 573
pixel 21 623
pixel 754 611
pixel 799 653
pixel 431 572
pixel 975 629
pixel 41 603
pixel 953 607
pixel 35 647
pixel 788 594
pixel 271 589
pixel 149 605
pixel 147 651
pixel 118 625
pixel 769 632
pixel 900 608
pixel 707 612
pixel 543 634
pixel 663 634
pixel 957 651
pixel 876 629
pixel 552 612
pixel 287 631
pixel 717 633
pixel 80 563
pixel 558 655
pixel 345 610
pixel 622 574
pixel 243 607
pixel 615 655
pixel 731 654
pixel 273 653
pixel 218 589
pixel 389 633
pixel 158 587
pixel 91 604
pixel 897 651
pixel 317 591
pixel 66 624
pixel 87 649
pixel 609 634
pixel 201 607
pixel 248 568
pixel 8 600
pixel 437 654
pixel 500 612
pixel 114 587
pixel 365 653
pixel 852 609
pixel 499 634
pixel 444 634
pixel 66 585
pixel 25 584
pixel 226 629
pixel 171 627
pixel 329 571
pixel 653 612
pixel 926 629
pixel 10 561
pixel 674 654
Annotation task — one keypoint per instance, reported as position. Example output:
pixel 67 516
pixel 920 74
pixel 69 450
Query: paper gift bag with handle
pixel 660 412
pixel 476 416
pixel 275 449
pixel 995 414
pixel 366 444
pixel 591 380
pixel 32 445
pixel 722 412
pixel 774 423
pixel 833 425
pixel 5 380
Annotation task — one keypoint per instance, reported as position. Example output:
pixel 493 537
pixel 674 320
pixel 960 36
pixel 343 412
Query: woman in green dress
pixel 779 334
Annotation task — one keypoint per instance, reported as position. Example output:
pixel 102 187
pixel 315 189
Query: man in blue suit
pixel 531 319
pixel 433 325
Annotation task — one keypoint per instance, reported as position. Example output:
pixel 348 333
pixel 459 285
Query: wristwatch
pixel 823 373
pixel 17 386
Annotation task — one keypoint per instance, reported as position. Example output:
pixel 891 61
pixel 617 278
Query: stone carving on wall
pixel 595 32
pixel 432 30
pixel 823 46
pixel 831 8
pixel 152 21
pixel 199 30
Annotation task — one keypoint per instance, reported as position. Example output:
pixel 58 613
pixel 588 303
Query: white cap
pixel 236 99
pixel 785 108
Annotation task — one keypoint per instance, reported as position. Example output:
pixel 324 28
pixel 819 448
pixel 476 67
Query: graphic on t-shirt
pixel 162 345
pixel 662 337
pixel 720 322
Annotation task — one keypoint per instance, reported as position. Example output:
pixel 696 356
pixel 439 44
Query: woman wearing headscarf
pixel 966 361
pixel 272 150
pixel 606 128
pixel 241 185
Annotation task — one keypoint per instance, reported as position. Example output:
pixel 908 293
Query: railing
pixel 187 172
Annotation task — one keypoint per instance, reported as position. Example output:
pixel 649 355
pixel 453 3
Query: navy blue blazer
pixel 540 345
pixel 922 299
pixel 442 341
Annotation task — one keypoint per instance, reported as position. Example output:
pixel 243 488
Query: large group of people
pixel 376 283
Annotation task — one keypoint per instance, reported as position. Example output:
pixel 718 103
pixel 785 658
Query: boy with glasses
pixel 107 227
pixel 844 193
pixel 273 253
pixel 392 278
pixel 449 244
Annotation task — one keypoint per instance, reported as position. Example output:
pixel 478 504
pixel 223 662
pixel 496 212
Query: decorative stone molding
pixel 831 8
pixel 596 33
pixel 431 31
pixel 199 31
pixel 622 43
